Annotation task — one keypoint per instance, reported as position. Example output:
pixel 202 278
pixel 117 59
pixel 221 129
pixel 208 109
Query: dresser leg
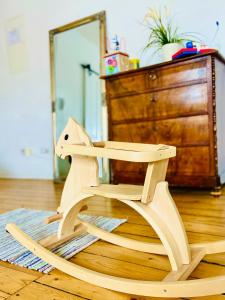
pixel 216 192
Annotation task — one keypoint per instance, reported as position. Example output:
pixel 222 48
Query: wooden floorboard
pixel 203 216
pixel 12 280
pixel 36 291
pixel 4 295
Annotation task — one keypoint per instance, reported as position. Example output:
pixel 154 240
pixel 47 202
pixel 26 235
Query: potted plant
pixel 163 35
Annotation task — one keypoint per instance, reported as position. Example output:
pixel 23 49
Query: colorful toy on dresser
pixel 116 61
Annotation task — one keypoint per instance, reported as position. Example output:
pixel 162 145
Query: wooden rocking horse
pixel 152 201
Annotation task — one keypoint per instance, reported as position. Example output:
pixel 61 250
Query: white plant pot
pixel 169 49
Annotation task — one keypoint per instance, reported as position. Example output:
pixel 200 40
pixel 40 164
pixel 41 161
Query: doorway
pixel 76 50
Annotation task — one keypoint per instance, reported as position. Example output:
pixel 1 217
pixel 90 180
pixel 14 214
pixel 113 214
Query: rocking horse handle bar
pixel 151 154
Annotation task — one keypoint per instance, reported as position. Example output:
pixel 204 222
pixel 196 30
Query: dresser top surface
pixel 213 53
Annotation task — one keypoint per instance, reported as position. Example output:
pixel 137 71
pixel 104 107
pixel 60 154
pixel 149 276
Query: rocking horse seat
pixel 120 191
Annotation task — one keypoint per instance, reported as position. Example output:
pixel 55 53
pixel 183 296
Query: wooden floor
pixel 203 215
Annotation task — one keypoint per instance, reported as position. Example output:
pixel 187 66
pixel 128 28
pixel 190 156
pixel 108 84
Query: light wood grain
pixel 13 280
pixel 154 154
pixel 83 170
pixel 41 194
pixel 120 191
pixel 3 295
pixel 36 291
pixel 185 271
pixel 73 285
pixel 188 288
pixel 166 221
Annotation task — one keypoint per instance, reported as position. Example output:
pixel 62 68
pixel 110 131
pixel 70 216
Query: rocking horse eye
pixel 66 137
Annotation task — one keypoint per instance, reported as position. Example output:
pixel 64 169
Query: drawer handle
pixel 152 76
pixel 153 98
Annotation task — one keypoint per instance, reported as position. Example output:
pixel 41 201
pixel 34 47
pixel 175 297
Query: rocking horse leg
pixel 54 218
pixel 162 215
pixel 163 205
pixel 67 225
pixel 59 216
pixel 53 241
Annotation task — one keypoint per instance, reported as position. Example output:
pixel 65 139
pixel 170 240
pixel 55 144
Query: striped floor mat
pixel 32 222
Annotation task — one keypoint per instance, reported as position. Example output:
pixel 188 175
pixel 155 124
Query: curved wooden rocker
pixel 152 201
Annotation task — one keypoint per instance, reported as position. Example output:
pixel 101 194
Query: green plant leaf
pixel 162 31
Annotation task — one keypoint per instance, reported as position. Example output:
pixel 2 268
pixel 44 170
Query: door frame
pixel 101 17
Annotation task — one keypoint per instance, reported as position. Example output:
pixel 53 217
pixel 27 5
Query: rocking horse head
pixel 73 134
pixel 83 170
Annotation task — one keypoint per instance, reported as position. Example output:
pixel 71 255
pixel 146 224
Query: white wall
pixel 25 113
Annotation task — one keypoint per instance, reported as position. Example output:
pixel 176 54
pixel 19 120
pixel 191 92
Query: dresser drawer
pixel 120 166
pixel 190 161
pixel 139 169
pixel 177 75
pixel 179 131
pixel 174 102
pixel 128 172
pixel 125 85
pixel 193 161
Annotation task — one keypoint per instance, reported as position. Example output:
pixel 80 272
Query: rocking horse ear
pixel 84 136
pixel 72 121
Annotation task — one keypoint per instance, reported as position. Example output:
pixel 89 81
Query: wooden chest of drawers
pixel 179 103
